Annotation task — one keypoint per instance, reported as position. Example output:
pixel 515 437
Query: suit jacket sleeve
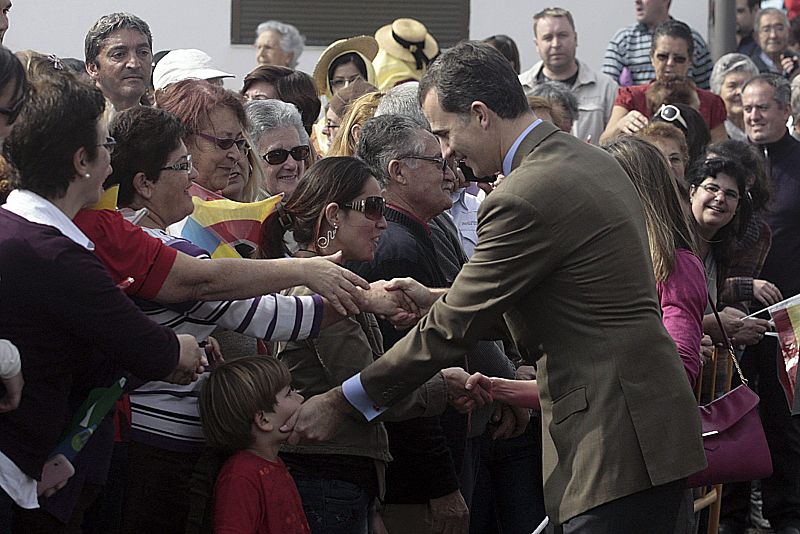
pixel 515 252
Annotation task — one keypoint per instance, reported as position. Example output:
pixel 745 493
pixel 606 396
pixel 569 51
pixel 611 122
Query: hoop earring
pixel 324 241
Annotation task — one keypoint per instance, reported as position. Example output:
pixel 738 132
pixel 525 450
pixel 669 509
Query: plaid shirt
pixel 630 47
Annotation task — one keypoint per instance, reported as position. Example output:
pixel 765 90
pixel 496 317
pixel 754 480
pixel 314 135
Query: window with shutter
pixel 324 21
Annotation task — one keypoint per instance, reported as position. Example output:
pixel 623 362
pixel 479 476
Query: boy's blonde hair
pixel 234 393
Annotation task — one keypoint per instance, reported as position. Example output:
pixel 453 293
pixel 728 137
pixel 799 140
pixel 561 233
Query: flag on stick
pixel 786 316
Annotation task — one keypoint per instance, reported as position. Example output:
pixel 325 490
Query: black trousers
pixel 652 511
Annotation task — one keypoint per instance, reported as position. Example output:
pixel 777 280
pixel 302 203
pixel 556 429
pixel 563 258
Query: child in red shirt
pixel 242 406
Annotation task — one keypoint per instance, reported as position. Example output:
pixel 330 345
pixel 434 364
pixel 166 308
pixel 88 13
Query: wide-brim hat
pixel 185 64
pixel 365 45
pixel 409 40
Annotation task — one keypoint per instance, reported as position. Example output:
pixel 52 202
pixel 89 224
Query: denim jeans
pixel 334 506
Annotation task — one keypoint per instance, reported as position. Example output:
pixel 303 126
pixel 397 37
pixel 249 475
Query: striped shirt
pixel 166 415
pixel 630 47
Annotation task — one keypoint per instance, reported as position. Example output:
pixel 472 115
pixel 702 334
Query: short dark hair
pixel 235 392
pixel 752 159
pixel 108 24
pixel 553 12
pixel 472 71
pixel 338 179
pixel 675 29
pixel 145 137
pixel 292 86
pixel 59 116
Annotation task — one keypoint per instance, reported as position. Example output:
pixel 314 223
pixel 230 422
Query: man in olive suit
pixel 562 258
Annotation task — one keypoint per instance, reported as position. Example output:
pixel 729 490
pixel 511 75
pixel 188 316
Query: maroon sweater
pixel 59 306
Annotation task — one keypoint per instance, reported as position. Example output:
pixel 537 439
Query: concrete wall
pixel 61 26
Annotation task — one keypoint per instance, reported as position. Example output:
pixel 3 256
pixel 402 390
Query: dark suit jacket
pixel 562 255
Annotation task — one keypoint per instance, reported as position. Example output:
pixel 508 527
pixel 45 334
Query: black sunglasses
pixel 224 143
pixel 13 112
pixel 280 155
pixel 373 208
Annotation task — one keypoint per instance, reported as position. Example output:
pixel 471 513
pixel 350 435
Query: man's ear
pixel 92 69
pixel 142 186
pixel 396 172
pixel 482 113
pixel 261 422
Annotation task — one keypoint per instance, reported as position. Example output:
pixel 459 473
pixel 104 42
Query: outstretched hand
pixel 396 306
pixel 335 283
pixel 318 418
pixel 466 392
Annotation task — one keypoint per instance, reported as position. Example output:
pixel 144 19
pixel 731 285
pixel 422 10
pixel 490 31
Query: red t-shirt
pixel 254 495
pixel 126 251
pixel 712 108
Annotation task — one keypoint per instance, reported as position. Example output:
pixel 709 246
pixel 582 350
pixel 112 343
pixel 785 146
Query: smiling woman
pixel 214 119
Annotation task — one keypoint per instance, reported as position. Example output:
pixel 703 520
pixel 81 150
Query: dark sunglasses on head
pixel 670 113
pixel 224 143
pixel 373 208
pixel 280 155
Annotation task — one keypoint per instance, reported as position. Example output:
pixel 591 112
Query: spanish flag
pixel 786 315
pixel 225 228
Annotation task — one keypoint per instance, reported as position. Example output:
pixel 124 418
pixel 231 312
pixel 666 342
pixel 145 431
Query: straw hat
pixel 409 40
pixel 365 45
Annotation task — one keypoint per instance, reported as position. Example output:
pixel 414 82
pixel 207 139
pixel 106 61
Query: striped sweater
pixel 166 415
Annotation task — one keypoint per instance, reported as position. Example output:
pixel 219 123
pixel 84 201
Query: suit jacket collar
pixel 532 140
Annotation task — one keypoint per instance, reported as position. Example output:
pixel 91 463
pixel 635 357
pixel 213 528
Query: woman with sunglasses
pixel 280 146
pixel 338 206
pixel 214 119
pixel 671 55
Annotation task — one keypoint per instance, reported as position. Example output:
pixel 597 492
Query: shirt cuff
pixel 356 395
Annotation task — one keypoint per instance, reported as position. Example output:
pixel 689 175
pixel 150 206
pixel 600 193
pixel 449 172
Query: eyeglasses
pixel 373 208
pixel 330 126
pixel 224 143
pixel 440 162
pixel 715 190
pixel 280 155
pixel 13 112
pixel 679 60
pixel 185 166
pixel 670 113
pixel 341 83
pixel 109 144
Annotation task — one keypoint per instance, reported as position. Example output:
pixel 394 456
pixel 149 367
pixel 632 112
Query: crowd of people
pixel 485 301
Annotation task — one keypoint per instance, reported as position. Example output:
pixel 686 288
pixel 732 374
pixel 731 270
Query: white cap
pixel 185 64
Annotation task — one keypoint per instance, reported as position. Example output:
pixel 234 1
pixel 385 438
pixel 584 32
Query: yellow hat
pixel 409 40
pixel 364 45
pixel 391 71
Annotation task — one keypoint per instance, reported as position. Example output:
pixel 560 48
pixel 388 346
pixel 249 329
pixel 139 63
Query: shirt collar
pixel 39 210
pixel 509 159
pixel 411 216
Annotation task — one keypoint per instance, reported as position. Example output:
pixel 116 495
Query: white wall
pixel 61 26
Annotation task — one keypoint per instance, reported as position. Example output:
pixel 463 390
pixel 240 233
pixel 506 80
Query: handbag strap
pixel 727 341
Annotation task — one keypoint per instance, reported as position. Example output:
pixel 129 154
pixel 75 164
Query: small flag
pixel 225 228
pixel 786 316
pixel 108 200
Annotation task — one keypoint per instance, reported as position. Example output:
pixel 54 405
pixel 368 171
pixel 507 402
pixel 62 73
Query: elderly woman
pixel 280 146
pixel 281 83
pixel 215 120
pixel 278 43
pixel 154 170
pixel 74 328
pixel 729 74
pixel 671 56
